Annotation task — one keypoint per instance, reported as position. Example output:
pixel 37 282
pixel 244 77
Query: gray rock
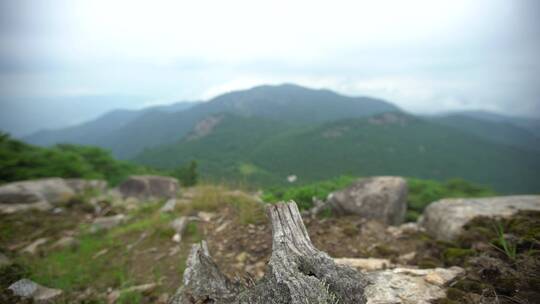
pixel 107 222
pixel 34 246
pixel 169 206
pixel 149 186
pixel 52 190
pixel 79 185
pixel 404 285
pixel 15 208
pixel 66 242
pixel 444 219
pixel 382 198
pixel 29 289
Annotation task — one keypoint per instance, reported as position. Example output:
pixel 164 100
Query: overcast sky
pixel 425 56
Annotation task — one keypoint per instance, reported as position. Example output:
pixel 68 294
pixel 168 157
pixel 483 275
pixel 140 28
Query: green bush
pixel 303 195
pixel 188 175
pixel 423 192
pixel 21 161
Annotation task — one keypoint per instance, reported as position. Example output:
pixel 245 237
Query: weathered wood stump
pixel 297 272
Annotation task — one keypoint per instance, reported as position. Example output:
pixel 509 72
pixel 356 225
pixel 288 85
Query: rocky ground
pixel 101 249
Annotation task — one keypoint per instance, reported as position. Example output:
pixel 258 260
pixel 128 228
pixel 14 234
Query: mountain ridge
pixel 282 102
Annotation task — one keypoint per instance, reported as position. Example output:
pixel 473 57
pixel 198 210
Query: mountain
pixel 23 116
pixel 92 132
pixel 264 151
pixel 530 124
pixel 284 103
pixel 502 131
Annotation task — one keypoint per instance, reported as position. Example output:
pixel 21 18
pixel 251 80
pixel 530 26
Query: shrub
pixel 187 175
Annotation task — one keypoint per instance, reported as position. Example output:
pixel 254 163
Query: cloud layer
pixel 425 56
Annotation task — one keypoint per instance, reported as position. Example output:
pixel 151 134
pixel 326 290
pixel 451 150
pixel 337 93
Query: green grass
pixel 130 297
pixel 211 198
pixel 502 244
pixel 75 270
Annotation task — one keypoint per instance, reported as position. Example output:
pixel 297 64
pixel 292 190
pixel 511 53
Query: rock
pixel 397 231
pixel 4 260
pixel 180 224
pixel 52 190
pixel 29 289
pixel 169 206
pixel 368 264
pixel 445 219
pixel 381 198
pixel 407 257
pixel 32 248
pixel 66 242
pixel 80 186
pixel 15 208
pixel 403 285
pixel 107 222
pixel 205 216
pixel 39 194
pixel 149 187
pixel 144 289
pixel 100 253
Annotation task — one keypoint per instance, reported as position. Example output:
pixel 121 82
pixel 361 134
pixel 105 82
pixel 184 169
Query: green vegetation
pixel 211 198
pixel 20 161
pixel 187 175
pixel 421 192
pixel 263 153
pixel 505 255
pixel 303 195
pixel 509 248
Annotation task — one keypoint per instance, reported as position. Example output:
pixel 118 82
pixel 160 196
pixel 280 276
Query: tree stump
pixel 297 272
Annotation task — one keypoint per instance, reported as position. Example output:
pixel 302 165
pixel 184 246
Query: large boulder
pixel 149 186
pixel 39 194
pixel 382 198
pixel 445 219
pixel 52 190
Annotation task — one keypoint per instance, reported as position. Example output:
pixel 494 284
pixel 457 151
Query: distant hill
pixel 265 151
pixel 92 132
pixel 502 131
pixel 289 103
pixel 527 123
pixel 23 116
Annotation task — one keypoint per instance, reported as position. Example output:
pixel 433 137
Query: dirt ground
pixel 146 253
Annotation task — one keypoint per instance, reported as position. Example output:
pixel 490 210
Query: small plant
pixel 208 198
pixel 507 247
